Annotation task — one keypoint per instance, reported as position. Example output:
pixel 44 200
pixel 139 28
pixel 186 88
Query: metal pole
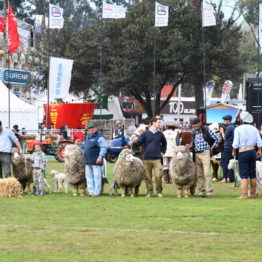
pixel 258 69
pixel 178 104
pixel 154 62
pixel 48 83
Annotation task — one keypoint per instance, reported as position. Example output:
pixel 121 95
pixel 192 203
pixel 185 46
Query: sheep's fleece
pixel 182 169
pixel 75 168
pixel 128 172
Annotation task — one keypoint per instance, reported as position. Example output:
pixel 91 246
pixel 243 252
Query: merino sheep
pixel 59 180
pixel 233 164
pixel 182 169
pixel 75 169
pixel 128 173
pixel 9 187
pixel 22 170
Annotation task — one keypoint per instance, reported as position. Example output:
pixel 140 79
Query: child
pixel 39 164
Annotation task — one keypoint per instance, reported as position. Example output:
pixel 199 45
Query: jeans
pixel 94 179
pixel 226 156
pixel 5 159
pixel 247 164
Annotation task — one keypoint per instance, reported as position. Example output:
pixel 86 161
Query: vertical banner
pixel 210 85
pixel 260 28
pixel 56 20
pixel 161 15
pixel 39 19
pixel 208 17
pixel 226 91
pixel 113 11
pixel 59 77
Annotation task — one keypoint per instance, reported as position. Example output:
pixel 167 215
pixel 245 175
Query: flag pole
pixel 48 84
pixel 258 60
pixel 154 63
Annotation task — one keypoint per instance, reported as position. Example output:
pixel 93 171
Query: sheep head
pixel 181 152
pixel 233 163
pixel 71 150
pixel 53 172
pixel 15 154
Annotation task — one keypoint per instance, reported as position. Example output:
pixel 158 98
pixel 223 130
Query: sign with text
pixel 18 77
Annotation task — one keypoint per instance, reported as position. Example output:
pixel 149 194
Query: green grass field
pixel 60 227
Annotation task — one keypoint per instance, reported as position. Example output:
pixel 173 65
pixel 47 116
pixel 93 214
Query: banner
pixel 260 28
pixel 59 77
pixel 209 88
pixel 113 11
pixel 39 19
pixel 226 91
pixel 161 15
pixel 13 36
pixel 208 17
pixel 74 114
pixel 56 20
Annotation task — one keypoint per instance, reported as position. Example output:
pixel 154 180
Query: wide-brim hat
pixel 172 125
pixel 246 117
pixel 227 117
pixel 91 125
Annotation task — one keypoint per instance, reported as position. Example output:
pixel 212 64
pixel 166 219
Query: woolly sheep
pixel 22 170
pixel 9 187
pixel 75 169
pixel 182 170
pixel 128 173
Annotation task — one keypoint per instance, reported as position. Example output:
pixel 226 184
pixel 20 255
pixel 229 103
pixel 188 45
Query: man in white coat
pixel 173 140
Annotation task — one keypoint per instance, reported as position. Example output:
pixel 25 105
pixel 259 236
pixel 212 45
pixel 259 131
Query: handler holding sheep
pixel 6 139
pixel 94 152
pixel 154 143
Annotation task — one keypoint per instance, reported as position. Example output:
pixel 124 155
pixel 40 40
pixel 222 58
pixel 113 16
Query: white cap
pixel 246 117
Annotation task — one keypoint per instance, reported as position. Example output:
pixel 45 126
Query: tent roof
pixel 16 104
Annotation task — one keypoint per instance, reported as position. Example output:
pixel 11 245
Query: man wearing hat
pixel 94 152
pixel 203 143
pixel 246 139
pixel 228 136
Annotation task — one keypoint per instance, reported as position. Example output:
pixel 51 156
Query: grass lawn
pixel 60 227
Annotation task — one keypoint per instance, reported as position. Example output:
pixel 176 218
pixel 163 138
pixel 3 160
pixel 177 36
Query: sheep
pixel 22 170
pixel 233 164
pixel 9 187
pixel 182 169
pixel 128 173
pixel 59 180
pixel 75 169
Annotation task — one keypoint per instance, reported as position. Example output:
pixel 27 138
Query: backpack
pixel 210 140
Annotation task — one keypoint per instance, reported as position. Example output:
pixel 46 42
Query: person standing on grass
pixel 228 136
pixel 155 144
pixel 246 139
pixel 39 160
pixel 94 152
pixel 7 137
pixel 203 143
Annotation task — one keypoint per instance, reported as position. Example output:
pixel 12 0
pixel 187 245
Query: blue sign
pixel 14 76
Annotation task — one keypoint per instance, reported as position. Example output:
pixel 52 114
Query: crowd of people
pixel 242 142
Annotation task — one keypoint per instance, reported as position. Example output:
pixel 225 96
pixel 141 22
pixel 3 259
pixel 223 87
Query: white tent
pixel 21 113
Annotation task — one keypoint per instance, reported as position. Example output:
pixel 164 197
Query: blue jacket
pixel 94 148
pixel 229 136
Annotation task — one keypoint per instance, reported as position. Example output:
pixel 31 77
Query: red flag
pixel 13 36
pixel 2 24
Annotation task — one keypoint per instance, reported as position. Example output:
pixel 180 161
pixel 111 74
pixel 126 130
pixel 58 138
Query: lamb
pixel 9 187
pixel 75 169
pixel 233 164
pixel 22 170
pixel 59 180
pixel 182 171
pixel 128 173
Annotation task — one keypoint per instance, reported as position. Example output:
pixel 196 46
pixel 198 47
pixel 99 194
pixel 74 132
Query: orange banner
pixel 74 114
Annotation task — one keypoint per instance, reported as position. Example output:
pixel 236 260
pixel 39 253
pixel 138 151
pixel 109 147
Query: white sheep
pixel 75 169
pixel 59 179
pixel 128 173
pixel 233 164
pixel 182 170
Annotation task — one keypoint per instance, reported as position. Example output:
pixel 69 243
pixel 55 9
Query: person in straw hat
pixel 246 139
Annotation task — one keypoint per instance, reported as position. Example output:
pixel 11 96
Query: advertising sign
pixel 161 15
pixel 56 19
pixel 19 77
pixel 73 114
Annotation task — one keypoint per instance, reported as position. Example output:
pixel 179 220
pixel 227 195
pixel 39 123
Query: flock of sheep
pixel 128 173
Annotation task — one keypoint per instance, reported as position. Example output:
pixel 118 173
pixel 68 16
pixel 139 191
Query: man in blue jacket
pixel 94 152
pixel 154 143
pixel 228 136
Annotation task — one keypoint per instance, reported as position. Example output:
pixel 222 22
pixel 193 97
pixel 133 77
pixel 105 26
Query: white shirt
pixel 6 139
